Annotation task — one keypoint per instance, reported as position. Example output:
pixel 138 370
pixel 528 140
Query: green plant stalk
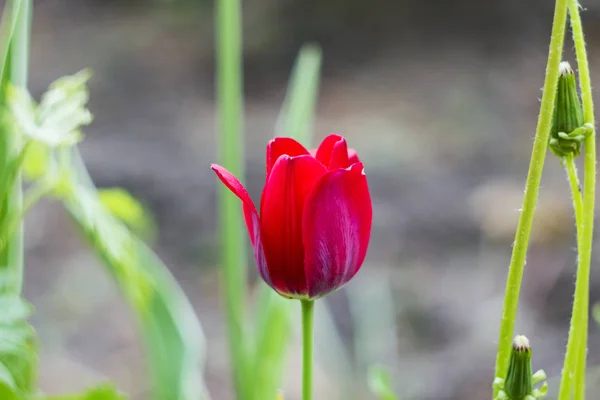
pixel 532 185
pixel 233 244
pixel 575 186
pixel 19 62
pixel 307 348
pixel 297 114
pixel 573 178
pixel 575 357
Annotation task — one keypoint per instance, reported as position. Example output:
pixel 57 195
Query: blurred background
pixel 440 99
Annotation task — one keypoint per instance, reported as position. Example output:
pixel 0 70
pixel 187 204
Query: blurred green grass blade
pixel 375 334
pixel 233 239
pixel 18 342
pixel 18 348
pixel 171 332
pixel 273 334
pixel 8 25
pixel 100 392
pixel 275 313
pixel 381 384
pixel 297 114
pixel 14 51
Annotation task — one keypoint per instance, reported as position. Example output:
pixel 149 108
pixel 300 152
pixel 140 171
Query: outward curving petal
pixel 333 152
pixel 250 215
pixel 280 146
pixel 233 184
pixel 290 181
pixel 336 229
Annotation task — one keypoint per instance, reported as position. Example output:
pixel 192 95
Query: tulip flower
pixel 313 230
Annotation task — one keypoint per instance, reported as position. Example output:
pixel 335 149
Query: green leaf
pixel 297 113
pixel 7 29
pixel 380 383
pixel 101 392
pixel 57 120
pixel 272 339
pixel 18 345
pixel 170 329
pixel 8 176
pixel 127 209
pixel 37 161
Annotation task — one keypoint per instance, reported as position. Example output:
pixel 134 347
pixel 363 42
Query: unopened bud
pixel 518 383
pixel 568 130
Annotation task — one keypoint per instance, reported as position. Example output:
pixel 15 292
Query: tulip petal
pixel 259 252
pixel 280 146
pixel 336 229
pixel 352 156
pixel 333 152
pixel 288 185
pixel 250 215
pixel 240 191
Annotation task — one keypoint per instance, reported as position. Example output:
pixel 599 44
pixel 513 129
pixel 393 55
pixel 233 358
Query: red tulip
pixel 312 234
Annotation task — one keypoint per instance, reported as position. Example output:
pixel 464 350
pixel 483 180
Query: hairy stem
pixel 532 185
pixel 574 367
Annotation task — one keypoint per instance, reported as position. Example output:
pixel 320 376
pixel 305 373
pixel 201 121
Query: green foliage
pixel 169 327
pixel 381 384
pixel 298 110
pixel 18 344
pixel 101 392
pixel 18 347
pixel 61 112
pixel 127 209
pixel 273 334
pixel 10 18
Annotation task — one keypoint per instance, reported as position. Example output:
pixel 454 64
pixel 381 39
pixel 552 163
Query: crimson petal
pixel 336 229
pixel 250 215
pixel 288 185
pixel 333 152
pixel 352 156
pixel 240 191
pixel 280 146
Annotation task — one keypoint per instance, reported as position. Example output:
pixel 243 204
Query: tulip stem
pixel 532 186
pixel 307 348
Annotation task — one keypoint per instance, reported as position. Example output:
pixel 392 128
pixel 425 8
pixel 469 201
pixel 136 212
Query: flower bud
pixel 518 382
pixel 568 130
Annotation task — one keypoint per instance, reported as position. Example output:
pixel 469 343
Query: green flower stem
pixel 532 185
pixel 571 168
pixel 575 358
pixel 579 368
pixel 307 348
pixel 233 242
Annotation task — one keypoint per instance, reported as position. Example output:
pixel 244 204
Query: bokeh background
pixel 440 99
